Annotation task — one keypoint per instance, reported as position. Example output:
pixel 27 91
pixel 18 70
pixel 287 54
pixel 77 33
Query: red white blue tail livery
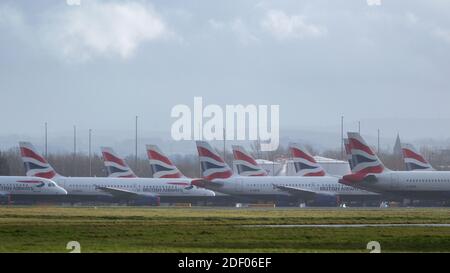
pixel 414 161
pixel 212 164
pixel 363 157
pixel 305 164
pixel 364 160
pixel 161 165
pixel 115 165
pixel 245 163
pixel 34 163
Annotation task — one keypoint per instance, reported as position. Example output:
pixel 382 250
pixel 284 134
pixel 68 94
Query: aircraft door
pixel 394 181
pixel 239 185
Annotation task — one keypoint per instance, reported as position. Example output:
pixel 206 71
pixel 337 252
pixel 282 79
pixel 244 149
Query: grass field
pixel 131 229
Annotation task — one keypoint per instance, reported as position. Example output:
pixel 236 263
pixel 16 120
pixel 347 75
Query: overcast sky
pixel 99 64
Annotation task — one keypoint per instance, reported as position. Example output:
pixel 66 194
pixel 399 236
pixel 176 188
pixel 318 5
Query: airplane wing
pixel 121 193
pixel 204 183
pixel 296 191
pixel 308 194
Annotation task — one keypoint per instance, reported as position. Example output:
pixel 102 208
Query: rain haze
pixel 101 63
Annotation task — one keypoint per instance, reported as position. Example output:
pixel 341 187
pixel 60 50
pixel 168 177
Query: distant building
pixel 398 147
pixel 285 166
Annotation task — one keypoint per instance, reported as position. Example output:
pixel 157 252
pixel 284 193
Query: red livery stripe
pixel 47 175
pixel 374 169
pixel 223 175
pixel 205 152
pixel 410 154
pixel 238 155
pixel 157 156
pixel 298 153
pixel 356 144
pixel 321 173
pixel 109 157
pixel 25 152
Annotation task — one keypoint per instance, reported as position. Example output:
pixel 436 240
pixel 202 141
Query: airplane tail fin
pixel 115 165
pixel 161 165
pixel 414 161
pixel 364 159
pixel 212 164
pixel 304 163
pixel 245 163
pixel 35 164
pixel 348 153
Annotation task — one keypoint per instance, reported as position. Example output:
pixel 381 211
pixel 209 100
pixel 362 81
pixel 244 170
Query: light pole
pixel 74 150
pixel 136 144
pixel 378 141
pixel 90 152
pixel 46 141
pixel 342 137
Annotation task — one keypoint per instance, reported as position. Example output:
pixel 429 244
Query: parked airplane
pixel 370 174
pixel 218 176
pixel 245 164
pixel 414 161
pixel 140 190
pixel 26 188
pixel 115 165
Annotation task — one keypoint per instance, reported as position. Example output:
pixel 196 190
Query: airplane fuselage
pixel 23 185
pixel 417 184
pixel 177 187
pixel 270 186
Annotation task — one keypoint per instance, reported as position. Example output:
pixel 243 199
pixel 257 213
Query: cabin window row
pixel 428 180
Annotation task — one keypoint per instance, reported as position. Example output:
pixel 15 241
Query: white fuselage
pixel 24 185
pixel 417 183
pixel 174 187
pixel 267 185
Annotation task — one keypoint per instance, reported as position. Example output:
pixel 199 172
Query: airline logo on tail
pixel 213 166
pixel 363 157
pixel 115 165
pixel 304 163
pixel 161 165
pixel 365 161
pixel 246 164
pixel 34 163
pixel 414 161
